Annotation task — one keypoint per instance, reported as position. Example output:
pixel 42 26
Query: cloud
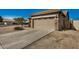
pixel 10 17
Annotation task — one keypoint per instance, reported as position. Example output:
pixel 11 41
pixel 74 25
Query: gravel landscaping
pixel 57 40
pixel 8 29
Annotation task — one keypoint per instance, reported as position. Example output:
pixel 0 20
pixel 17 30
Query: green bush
pixel 18 28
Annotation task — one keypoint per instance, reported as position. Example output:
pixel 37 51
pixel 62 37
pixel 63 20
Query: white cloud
pixel 10 17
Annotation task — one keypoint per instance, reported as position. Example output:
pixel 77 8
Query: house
pixel 8 22
pixel 52 19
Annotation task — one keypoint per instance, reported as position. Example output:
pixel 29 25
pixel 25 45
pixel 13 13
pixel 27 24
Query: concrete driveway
pixel 21 39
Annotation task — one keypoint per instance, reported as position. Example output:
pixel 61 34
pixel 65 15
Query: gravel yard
pixel 57 40
pixel 8 29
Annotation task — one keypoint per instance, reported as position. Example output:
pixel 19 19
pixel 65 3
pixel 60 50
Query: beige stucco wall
pixel 64 22
pixel 61 22
pixel 31 23
pixel 76 24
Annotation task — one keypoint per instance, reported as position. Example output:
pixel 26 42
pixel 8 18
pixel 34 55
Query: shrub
pixel 18 28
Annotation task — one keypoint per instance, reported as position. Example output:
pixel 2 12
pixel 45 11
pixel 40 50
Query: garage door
pixel 46 24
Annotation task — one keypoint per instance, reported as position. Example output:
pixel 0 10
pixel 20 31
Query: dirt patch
pixel 7 29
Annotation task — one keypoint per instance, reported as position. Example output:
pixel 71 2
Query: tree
pixel 19 21
pixel 1 19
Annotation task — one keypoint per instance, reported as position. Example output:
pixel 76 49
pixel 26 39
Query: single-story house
pixel 8 21
pixel 52 19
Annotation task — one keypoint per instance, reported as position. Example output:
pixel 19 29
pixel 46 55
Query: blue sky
pixel 12 13
pixel 74 13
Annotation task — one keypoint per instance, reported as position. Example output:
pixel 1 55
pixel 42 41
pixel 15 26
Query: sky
pixel 26 13
pixel 74 14
pixel 14 13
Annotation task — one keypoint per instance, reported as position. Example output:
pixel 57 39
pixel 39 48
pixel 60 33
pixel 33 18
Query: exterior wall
pixel 67 22
pixel 55 21
pixel 31 23
pixel 76 24
pixel 61 21
pixel 64 22
pixel 48 23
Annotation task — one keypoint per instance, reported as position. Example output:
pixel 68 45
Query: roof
pixel 9 20
pixel 46 12
pixel 65 13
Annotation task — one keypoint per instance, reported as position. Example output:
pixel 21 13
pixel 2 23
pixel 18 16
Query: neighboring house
pixel 26 22
pixel 52 19
pixel 12 22
pixel 8 22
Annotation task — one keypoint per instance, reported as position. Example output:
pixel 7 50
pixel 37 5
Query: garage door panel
pixel 44 24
